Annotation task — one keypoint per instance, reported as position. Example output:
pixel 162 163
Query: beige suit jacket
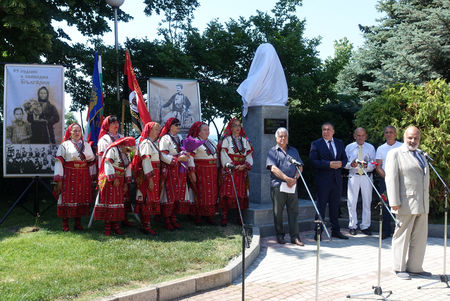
pixel 407 184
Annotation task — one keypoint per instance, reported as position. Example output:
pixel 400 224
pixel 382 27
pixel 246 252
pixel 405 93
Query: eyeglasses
pixel 177 124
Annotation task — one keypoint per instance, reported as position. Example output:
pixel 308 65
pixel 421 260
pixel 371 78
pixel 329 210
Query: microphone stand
pixel 377 290
pixel 319 225
pixel 245 242
pixel 443 277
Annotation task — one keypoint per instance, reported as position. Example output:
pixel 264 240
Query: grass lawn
pixel 50 264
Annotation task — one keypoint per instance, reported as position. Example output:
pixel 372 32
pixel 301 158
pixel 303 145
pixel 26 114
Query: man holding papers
pixel 283 182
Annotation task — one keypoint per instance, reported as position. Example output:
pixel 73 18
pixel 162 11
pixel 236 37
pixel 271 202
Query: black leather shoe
pixel 366 231
pixel 338 235
pixel 280 239
pixel 352 231
pixel 297 241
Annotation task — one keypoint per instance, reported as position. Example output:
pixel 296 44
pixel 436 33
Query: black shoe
pixel 367 231
pixel 297 241
pixel 338 235
pixel 280 239
pixel 352 231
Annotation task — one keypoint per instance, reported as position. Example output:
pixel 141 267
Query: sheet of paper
pixel 285 188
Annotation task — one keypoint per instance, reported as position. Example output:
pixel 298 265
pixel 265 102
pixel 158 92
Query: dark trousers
pixel 331 195
pixel 387 218
pixel 290 200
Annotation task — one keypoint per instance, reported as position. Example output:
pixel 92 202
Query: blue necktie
pixel 331 149
pixel 421 163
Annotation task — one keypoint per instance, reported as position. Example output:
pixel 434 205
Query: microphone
pixel 360 161
pixel 293 161
pixel 230 165
pixel 425 155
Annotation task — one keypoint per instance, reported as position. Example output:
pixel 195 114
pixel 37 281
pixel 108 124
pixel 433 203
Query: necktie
pixel 331 149
pixel 421 163
pixel 361 158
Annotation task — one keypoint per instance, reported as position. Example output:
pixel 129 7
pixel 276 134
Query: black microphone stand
pixel 245 242
pixel 443 277
pixel 319 225
pixel 377 290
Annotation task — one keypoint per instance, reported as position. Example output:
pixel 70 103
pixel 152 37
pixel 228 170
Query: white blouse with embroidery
pixel 68 151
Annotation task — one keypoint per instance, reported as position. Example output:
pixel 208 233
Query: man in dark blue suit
pixel 328 156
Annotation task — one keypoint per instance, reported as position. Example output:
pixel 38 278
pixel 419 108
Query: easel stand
pixel 443 277
pixel 35 180
pixel 377 290
pixel 245 242
pixel 319 226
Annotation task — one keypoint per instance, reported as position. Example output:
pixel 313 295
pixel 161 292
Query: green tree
pixel 425 106
pixel 410 44
pixel 69 118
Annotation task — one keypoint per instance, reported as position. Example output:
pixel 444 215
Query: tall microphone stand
pixel 319 225
pixel 377 290
pixel 443 277
pixel 245 242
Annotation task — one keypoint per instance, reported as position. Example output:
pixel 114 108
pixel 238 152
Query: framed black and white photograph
pixel 33 118
pixel 171 97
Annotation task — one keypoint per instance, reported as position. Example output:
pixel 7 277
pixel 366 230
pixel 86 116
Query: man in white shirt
pixel 358 181
pixel 390 134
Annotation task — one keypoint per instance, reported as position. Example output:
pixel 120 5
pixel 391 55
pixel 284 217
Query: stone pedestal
pixel 254 127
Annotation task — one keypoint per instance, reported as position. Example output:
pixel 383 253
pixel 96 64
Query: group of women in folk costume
pixel 173 176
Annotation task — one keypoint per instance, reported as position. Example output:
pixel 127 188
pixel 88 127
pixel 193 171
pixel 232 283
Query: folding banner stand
pixel 36 201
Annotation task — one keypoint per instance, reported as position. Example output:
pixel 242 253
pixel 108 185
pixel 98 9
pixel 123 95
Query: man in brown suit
pixel 407 184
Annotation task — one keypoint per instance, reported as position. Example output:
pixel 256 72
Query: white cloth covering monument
pixel 264 94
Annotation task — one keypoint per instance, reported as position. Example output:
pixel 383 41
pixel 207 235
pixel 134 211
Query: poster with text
pixel 170 97
pixel 33 123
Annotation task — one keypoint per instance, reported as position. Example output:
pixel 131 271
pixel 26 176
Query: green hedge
pixel 425 106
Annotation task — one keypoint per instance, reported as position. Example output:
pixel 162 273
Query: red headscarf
pixel 125 141
pixel 68 135
pixel 195 129
pixel 228 132
pixel 166 127
pixel 146 131
pixel 105 127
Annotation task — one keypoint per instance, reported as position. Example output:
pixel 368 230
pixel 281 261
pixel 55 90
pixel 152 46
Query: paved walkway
pixel 288 272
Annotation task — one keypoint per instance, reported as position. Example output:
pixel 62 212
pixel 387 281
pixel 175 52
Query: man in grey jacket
pixel 407 186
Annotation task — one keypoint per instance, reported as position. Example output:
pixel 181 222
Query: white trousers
pixel 355 184
pixel 410 240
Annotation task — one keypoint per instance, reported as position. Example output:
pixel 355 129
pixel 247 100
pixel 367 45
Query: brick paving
pixel 288 272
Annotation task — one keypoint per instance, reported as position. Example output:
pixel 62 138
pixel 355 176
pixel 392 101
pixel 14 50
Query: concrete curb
pixel 192 284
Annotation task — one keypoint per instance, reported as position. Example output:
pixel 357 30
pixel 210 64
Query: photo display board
pixel 33 106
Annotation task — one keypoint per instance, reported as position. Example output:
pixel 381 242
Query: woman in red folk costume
pixel 203 175
pixel 175 199
pixel 109 133
pixel 235 149
pixel 73 177
pixel 113 178
pixel 146 167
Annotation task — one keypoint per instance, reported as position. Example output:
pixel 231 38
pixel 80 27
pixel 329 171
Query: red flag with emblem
pixel 134 86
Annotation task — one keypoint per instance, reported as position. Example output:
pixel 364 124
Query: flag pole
pixel 116 4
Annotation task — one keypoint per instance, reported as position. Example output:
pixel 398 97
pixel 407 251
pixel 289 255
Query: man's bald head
pixel 411 138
